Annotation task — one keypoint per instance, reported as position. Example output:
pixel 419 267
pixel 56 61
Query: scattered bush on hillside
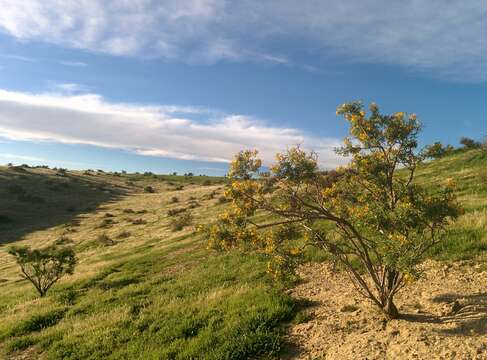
pixel 105 240
pixel 193 204
pixel 181 221
pixel 174 200
pixel 176 211
pixel 124 234
pixel 469 143
pixel 106 223
pixel 376 216
pixel 437 150
pixel 67 297
pixel 44 267
pixel 139 222
pixel 149 189
pixel 128 211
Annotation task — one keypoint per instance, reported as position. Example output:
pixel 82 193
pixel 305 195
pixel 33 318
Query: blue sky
pixel 182 85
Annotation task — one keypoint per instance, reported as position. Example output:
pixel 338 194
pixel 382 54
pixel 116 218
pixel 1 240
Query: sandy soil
pixel 444 316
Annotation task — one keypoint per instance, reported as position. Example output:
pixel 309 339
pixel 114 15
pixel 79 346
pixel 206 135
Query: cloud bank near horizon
pixel 150 130
pixel 443 38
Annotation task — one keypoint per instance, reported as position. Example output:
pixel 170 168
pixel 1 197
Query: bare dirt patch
pixel 444 316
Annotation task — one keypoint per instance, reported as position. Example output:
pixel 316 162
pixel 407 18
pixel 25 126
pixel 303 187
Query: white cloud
pixel 151 130
pixel 445 37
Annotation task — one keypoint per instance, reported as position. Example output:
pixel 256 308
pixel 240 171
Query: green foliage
pixel 380 218
pixel 44 267
pixel 38 322
pixel 437 150
pixel 469 143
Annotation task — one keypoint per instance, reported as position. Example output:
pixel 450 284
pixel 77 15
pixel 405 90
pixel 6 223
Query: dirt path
pixel 444 317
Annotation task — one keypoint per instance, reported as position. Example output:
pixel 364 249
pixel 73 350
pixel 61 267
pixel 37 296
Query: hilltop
pixel 147 287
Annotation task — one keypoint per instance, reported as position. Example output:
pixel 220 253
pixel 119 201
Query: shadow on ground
pixel 36 199
pixel 468 315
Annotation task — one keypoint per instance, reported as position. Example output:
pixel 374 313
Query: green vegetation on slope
pixel 142 289
pixel 155 293
pixel 467 238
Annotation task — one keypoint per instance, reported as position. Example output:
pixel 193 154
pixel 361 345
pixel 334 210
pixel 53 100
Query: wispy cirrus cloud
pixel 438 36
pixel 150 130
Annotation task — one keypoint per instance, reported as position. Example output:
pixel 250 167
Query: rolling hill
pixel 146 287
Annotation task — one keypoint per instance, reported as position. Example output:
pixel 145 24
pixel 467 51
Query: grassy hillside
pixel 467 239
pixel 149 291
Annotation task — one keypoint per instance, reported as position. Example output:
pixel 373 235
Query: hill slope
pixel 146 290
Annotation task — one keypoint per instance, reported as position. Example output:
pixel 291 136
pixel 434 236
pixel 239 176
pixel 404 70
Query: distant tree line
pixel 438 150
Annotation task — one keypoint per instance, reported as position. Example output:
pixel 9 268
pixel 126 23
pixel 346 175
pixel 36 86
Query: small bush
pixel 105 223
pixel 124 234
pixel 174 199
pixel 179 222
pixel 469 143
pixel 193 204
pixel 61 172
pixel 210 195
pixel 67 297
pixel 437 150
pixel 149 189
pixel 207 182
pixel 139 222
pixel 44 267
pixel 128 211
pixel 173 212
pixel 105 240
pixel 178 188
pixel 109 215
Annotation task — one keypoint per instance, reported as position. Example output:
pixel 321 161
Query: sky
pixel 182 85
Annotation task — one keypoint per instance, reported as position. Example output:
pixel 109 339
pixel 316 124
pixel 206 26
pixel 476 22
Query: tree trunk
pixel 390 310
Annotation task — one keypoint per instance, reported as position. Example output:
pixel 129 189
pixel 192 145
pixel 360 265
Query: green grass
pixel 467 237
pixel 155 293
